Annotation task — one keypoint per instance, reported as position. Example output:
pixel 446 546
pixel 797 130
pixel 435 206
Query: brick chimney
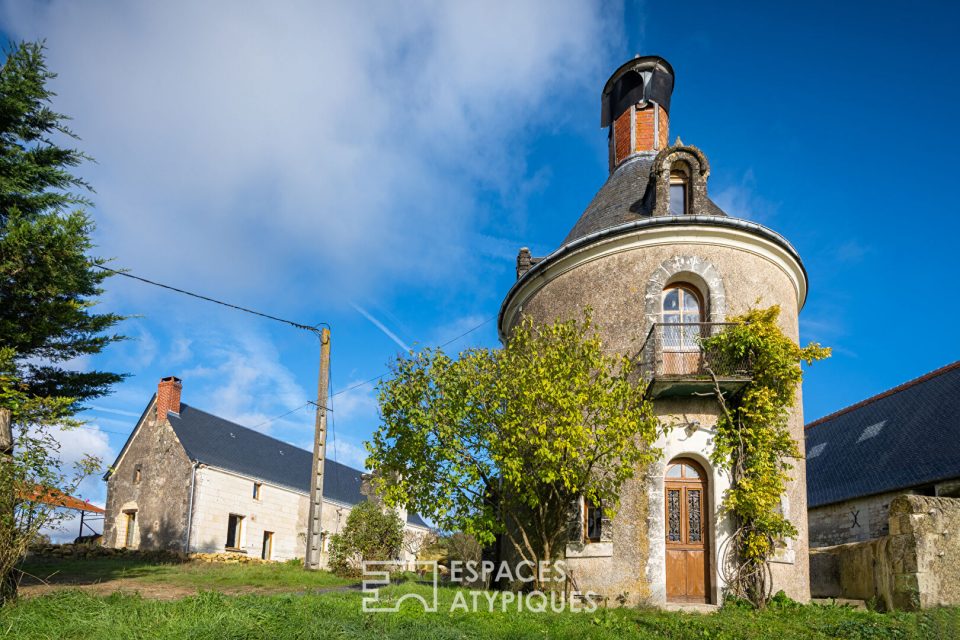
pixel 636 108
pixel 168 396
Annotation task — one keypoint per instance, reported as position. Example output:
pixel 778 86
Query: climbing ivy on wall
pixel 754 444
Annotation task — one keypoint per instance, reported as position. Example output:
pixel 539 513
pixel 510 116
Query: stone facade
pixel 619 285
pixel 865 518
pixel 280 510
pixel 152 479
pixel 851 521
pixel 916 566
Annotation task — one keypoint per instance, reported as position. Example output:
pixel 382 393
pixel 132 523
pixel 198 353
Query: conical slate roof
pixel 627 195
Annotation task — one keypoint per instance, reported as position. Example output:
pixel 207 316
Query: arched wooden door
pixel 688 557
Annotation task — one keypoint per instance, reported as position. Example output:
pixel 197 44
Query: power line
pixel 448 342
pixel 127 274
pixel 469 331
pixel 284 415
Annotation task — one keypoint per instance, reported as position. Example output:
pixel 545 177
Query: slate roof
pixel 624 197
pixel 220 443
pixel 905 437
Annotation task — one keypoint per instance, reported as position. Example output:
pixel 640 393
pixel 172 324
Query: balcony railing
pixel 677 359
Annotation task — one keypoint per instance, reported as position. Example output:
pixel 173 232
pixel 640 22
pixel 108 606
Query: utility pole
pixel 314 524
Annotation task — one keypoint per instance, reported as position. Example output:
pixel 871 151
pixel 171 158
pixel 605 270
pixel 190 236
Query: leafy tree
pixel 505 441
pixel 48 284
pixel 370 533
pixel 753 441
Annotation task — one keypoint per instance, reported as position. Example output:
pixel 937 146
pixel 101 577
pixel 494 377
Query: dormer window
pixel 679 186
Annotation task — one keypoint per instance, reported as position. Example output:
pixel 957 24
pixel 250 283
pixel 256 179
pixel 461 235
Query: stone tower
pixel 661 264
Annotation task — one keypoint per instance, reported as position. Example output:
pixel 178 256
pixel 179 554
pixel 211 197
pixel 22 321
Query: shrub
pixel 369 534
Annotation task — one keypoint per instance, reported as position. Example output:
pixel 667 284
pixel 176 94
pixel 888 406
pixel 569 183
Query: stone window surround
pixel 697 168
pixel 691 270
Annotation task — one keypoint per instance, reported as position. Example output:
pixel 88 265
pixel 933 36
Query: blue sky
pixel 378 168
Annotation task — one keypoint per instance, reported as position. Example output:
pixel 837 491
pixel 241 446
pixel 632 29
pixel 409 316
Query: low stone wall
pixel 917 566
pixel 56 551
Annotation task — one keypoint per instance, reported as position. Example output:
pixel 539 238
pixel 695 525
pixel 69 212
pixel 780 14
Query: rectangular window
pixel 678 199
pixel 234 531
pixel 256 490
pixel 592 521
pixel 131 530
pixel 137 474
pixel 267 551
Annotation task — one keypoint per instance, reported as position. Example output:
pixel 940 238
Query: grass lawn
pixel 131 573
pixel 71 613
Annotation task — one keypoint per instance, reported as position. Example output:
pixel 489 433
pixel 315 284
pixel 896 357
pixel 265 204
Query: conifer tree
pixel 49 283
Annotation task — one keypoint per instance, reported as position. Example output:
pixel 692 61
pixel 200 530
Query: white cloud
pixel 357 405
pixel 462 332
pixel 348 140
pixel 741 200
pixel 348 453
pixel 243 380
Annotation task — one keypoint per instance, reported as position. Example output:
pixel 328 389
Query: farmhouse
pixel 902 441
pixel 662 265
pixel 189 480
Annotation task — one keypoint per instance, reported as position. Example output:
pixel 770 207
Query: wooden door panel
pixel 676 574
pixel 695 575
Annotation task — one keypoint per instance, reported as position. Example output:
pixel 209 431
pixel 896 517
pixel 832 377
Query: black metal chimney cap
pixel 645 78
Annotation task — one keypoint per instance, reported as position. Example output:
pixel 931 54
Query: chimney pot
pixel 168 396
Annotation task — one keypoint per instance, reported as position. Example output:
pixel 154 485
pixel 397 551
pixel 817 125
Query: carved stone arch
pixel 699 167
pixel 694 270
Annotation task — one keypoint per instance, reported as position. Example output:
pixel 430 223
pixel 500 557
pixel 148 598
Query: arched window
pixel 681 313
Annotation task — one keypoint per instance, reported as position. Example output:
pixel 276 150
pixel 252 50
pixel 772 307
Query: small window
pixel 679 188
pixel 678 198
pixel 137 474
pixel 256 490
pixel 592 521
pixel 267 552
pixel 234 531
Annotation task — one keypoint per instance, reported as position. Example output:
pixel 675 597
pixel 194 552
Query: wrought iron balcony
pixel 677 359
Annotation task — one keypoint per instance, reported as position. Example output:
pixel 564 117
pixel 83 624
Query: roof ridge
pixel 263 435
pixel 884 394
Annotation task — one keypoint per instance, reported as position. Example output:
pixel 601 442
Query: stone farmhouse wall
pixel 280 510
pixel 851 521
pixel 916 566
pixel 864 518
pixel 219 494
pixel 159 494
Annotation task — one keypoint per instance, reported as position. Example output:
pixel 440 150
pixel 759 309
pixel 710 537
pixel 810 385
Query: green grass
pixel 72 614
pixel 194 575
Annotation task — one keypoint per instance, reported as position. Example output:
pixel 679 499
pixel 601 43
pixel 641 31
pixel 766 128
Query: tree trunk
pixel 8 534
